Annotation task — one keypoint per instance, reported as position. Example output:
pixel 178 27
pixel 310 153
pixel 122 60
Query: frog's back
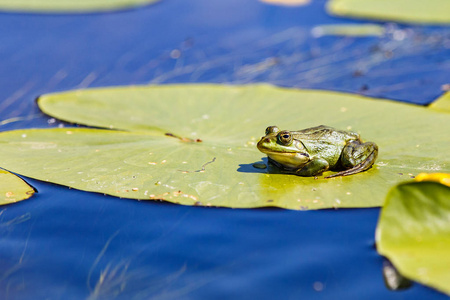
pixel 325 142
pixel 325 134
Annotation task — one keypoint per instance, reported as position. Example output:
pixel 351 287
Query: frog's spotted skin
pixel 312 151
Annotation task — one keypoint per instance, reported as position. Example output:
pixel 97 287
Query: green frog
pixel 312 151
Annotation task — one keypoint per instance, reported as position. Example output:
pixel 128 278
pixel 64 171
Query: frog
pixel 312 151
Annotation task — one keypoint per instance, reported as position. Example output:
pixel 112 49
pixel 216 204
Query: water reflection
pixel 393 280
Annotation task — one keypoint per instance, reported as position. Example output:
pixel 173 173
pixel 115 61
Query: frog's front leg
pixel 314 167
pixel 357 157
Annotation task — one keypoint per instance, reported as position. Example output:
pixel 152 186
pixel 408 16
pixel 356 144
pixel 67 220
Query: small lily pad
pixel 70 5
pixel 13 189
pixel 408 11
pixel 196 144
pixel 414 232
pixel 355 30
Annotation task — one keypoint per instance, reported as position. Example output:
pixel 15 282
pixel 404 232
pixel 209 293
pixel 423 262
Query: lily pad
pixel 408 11
pixel 208 156
pixel 355 30
pixel 13 189
pixel 70 5
pixel 442 103
pixel 414 232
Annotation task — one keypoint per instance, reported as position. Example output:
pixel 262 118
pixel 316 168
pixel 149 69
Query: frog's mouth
pixel 293 160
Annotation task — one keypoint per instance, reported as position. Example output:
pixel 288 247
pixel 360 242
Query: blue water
pixel 69 244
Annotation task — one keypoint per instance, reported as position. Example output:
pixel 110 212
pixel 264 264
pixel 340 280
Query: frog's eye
pixel 285 138
pixel 272 129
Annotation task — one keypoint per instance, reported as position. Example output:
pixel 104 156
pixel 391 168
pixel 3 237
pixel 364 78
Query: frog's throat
pixel 292 160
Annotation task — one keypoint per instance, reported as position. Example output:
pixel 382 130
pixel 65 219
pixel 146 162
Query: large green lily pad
pixel 70 5
pixel 137 160
pixel 408 11
pixel 414 232
pixel 13 189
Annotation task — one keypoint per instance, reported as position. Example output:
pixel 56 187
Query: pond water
pixel 69 244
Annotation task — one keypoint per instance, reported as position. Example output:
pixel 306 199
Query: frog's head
pixel 282 147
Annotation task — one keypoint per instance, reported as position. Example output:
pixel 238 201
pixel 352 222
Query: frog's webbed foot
pixel 357 157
